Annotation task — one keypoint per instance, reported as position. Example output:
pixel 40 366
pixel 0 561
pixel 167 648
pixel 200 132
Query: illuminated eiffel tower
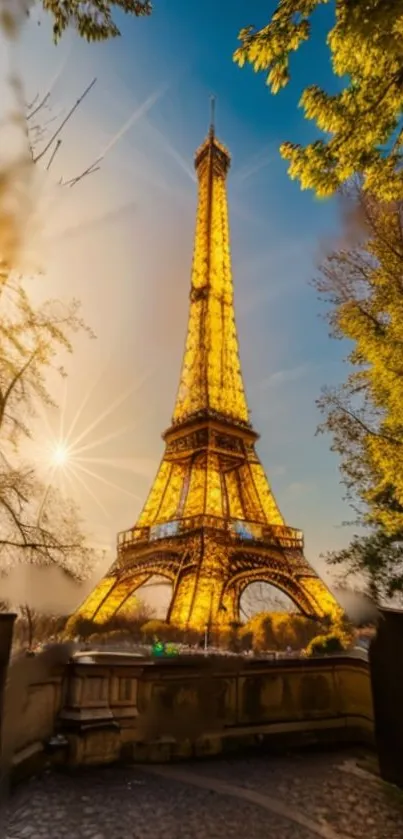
pixel 210 525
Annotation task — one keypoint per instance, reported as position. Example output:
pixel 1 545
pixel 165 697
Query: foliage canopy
pixel 93 20
pixel 361 281
pixel 362 122
pixel 378 558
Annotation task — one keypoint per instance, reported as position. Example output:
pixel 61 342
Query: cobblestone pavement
pixel 293 797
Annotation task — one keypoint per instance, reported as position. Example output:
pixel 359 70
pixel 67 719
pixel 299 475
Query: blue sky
pixel 128 252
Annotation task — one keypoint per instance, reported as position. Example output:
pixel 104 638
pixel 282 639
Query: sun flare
pixel 60 456
pixel 72 459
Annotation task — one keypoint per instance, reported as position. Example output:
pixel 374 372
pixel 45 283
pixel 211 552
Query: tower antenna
pixel 212 115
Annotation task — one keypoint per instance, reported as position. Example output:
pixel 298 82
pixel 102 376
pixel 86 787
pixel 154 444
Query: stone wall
pixel 122 707
pixel 34 699
pixel 107 707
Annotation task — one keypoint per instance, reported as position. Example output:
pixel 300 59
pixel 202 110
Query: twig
pixel 54 153
pixel 93 167
pixel 42 103
pixel 64 121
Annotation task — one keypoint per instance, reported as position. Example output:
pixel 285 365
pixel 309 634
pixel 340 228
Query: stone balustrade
pixel 121 706
pixel 106 707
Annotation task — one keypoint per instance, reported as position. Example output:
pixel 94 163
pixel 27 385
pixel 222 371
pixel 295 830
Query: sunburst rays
pixel 72 455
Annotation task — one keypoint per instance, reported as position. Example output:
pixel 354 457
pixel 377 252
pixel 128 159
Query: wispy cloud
pixel 284 377
pixel 240 208
pixel 299 487
pixel 277 471
pixel 248 302
pixel 262 272
pixel 139 112
pixel 146 466
pixel 62 66
pixel 254 165
pixel 168 146
pixel 81 229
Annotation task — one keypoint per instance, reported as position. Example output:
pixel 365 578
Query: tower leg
pixel 106 600
pixel 321 598
pixel 198 598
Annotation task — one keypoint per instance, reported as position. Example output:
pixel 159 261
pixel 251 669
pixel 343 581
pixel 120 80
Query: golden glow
pixel 211 373
pixel 213 503
pixel 172 494
pixel 61 455
pixel 221 527
pixel 270 509
pixel 68 457
pixel 194 502
pixel 150 511
pixel 322 598
pixel 234 499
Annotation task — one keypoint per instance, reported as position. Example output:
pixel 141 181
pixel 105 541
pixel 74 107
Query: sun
pixel 60 455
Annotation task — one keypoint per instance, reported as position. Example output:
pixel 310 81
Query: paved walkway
pixel 293 797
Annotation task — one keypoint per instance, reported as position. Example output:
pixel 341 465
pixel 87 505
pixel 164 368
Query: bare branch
pixel 65 121
pixel 53 155
pixel 42 103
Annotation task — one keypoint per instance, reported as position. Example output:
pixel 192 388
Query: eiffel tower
pixel 210 525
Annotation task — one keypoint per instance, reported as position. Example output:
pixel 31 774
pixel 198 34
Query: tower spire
pixel 212 116
pixel 211 380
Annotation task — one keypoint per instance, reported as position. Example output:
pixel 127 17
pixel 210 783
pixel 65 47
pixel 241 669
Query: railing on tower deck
pixel 236 530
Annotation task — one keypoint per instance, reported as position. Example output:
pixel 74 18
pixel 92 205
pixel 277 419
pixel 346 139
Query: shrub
pixel 229 638
pixel 326 644
pixel 293 631
pixel 159 629
pixel 128 623
pixel 259 627
pixel 276 631
pixel 116 635
pixel 245 639
pixel 83 628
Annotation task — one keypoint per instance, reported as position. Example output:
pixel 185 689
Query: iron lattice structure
pixel 210 524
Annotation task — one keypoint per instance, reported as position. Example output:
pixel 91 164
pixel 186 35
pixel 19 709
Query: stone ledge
pixel 345 730
pixel 27 762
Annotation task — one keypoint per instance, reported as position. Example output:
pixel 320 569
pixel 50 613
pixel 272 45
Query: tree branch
pixel 65 121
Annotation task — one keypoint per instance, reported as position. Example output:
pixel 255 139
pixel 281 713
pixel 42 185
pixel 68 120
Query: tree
pixel 44 145
pixel 377 557
pixel 28 616
pixel 92 20
pixel 37 525
pixel 33 626
pixel 361 281
pixel 363 122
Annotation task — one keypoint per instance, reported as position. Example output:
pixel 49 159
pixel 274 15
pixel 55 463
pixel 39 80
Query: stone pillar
pixel 386 663
pixel 6 636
